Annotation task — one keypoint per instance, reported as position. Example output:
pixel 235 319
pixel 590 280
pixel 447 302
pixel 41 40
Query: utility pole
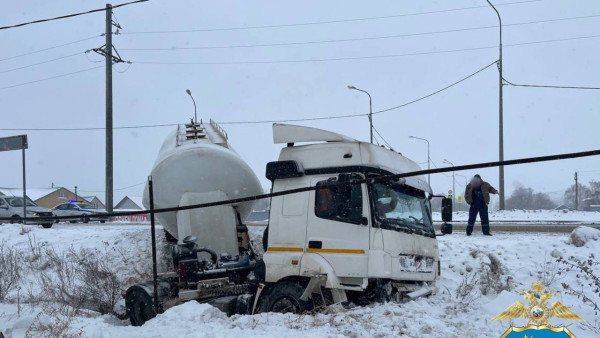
pixel 501 113
pixel 370 110
pixel 109 111
pixel 107 52
pixel 576 193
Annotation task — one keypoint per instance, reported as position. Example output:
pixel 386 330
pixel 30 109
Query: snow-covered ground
pixel 535 216
pixel 513 259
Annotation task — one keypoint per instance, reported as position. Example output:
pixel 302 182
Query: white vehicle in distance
pixel 12 206
pixel 88 212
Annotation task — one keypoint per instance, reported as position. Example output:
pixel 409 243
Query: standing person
pixel 477 194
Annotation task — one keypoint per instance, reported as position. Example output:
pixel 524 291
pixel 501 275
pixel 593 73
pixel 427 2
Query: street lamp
pixel 501 117
pixel 453 185
pixel 195 114
pixel 370 108
pixel 428 158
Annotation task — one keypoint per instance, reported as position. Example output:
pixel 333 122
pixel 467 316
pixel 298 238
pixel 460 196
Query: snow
pixel 522 256
pixel 526 216
pixel 33 193
pixel 582 235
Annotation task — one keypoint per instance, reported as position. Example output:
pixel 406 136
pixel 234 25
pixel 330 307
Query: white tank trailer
pixel 196 165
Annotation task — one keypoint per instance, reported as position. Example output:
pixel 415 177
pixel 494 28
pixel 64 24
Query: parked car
pixel 12 206
pixel 88 212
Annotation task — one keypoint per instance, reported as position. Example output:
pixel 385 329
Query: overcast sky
pixel 461 123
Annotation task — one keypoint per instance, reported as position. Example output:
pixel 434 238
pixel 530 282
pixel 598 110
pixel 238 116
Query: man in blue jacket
pixel 477 194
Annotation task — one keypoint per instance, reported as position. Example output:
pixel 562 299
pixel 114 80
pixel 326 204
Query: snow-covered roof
pixel 33 193
pixel 289 133
pixel 137 200
pixel 90 198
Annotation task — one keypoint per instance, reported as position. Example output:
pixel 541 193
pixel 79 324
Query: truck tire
pixel 284 297
pixel 47 225
pixel 139 306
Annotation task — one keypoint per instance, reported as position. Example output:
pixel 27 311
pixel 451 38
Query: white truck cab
pixel 354 237
pixel 336 239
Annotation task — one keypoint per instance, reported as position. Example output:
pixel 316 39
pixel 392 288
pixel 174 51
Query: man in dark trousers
pixel 477 194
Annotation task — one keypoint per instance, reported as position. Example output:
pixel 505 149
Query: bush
pixel 10 269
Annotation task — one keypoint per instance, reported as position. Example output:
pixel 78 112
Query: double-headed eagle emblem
pixel 538 312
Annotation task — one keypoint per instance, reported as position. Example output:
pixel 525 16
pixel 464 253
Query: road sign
pixel 460 199
pixel 13 143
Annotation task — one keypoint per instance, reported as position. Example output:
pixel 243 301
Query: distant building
pixel 130 203
pixel 590 204
pixel 45 197
pixel 95 201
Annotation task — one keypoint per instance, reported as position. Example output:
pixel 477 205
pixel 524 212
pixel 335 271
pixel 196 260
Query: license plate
pixel 416 263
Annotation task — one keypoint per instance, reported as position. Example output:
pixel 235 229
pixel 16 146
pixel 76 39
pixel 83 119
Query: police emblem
pixel 537 314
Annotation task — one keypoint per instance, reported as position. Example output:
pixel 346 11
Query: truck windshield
pixel 402 206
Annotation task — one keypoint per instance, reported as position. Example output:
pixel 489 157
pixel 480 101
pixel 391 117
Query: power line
pixel 253 122
pixel 124 188
pixel 70 15
pixel 360 57
pixel 49 78
pixel 40 63
pixel 546 86
pixel 49 48
pixel 325 22
pixel 353 39
pixel 88 128
pixel 386 142
pixel 437 91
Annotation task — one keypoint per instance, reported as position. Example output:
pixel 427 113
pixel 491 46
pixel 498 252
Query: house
pixel 95 201
pixel 590 204
pixel 45 197
pixel 130 203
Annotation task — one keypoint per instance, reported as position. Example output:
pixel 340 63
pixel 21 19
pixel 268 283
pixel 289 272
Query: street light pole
pixel 195 114
pixel 428 158
pixel 370 109
pixel 453 185
pixel 501 113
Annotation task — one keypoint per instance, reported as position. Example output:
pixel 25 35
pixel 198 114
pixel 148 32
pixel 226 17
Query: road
pixel 521 227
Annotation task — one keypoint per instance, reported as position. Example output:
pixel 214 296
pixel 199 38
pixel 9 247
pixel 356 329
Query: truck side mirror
pixel 446 209
pixel 446 227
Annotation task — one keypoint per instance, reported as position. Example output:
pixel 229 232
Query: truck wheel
pixel 284 297
pixel 139 307
pixel 47 225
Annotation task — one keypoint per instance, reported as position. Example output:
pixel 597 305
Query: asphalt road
pixel 521 227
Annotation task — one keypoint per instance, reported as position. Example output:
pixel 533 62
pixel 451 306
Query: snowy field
pixel 494 269
pixel 530 216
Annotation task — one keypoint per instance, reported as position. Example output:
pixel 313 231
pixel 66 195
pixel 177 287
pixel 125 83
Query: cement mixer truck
pixel 353 243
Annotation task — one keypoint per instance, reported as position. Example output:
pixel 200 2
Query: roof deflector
pixel 289 133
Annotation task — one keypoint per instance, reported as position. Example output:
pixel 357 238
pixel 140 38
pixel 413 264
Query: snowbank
pixel 517 259
pixel 582 235
pixel 545 216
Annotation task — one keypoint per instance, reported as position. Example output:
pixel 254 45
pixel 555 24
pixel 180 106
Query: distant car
pixel 12 206
pixel 88 212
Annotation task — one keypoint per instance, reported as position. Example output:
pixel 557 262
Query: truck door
pixel 338 226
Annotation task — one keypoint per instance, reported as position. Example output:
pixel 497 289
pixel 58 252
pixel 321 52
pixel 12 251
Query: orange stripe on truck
pixel 295 249
pixel 283 248
pixel 343 251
